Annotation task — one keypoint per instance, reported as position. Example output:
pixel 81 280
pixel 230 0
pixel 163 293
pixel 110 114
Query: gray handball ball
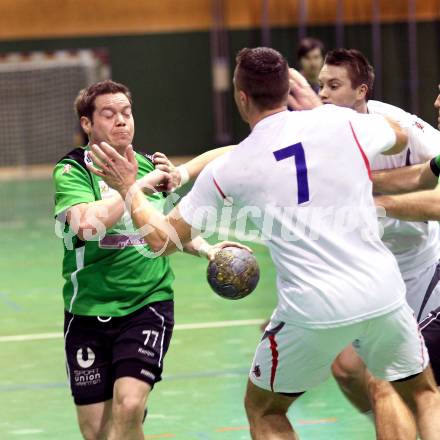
pixel 234 273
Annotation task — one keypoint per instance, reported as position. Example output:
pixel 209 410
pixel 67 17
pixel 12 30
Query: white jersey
pixel 416 245
pixel 303 179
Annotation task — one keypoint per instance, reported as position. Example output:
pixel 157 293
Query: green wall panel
pixel 170 75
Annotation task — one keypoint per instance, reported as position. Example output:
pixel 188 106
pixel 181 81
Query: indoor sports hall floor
pixel 206 367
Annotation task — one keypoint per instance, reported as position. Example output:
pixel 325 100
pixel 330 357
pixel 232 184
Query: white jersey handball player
pixel 346 79
pixel 308 173
pixel 416 245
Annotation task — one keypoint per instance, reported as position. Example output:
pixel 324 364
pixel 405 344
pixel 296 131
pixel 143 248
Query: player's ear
pixel 244 100
pixel 86 125
pixel 362 91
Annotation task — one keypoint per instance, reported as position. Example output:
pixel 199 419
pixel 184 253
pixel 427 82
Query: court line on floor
pixel 193 326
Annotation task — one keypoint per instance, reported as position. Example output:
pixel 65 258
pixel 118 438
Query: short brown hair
pixel 263 74
pixel 359 70
pixel 85 101
pixel 308 44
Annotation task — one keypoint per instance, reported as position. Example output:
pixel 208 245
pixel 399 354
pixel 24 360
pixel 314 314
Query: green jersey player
pixel 118 294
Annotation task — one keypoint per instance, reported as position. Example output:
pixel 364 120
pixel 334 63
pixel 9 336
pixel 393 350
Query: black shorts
pixel 100 350
pixel 430 328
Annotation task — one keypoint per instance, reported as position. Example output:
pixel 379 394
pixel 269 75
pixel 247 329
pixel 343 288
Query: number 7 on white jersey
pixel 297 151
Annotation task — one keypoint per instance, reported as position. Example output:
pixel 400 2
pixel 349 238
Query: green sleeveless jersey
pixel 115 273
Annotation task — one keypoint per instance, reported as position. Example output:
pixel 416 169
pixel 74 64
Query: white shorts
pixel 292 359
pixel 423 290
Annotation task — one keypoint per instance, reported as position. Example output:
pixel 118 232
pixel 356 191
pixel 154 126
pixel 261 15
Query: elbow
pixel 157 245
pixel 157 242
pixel 402 140
pixel 401 137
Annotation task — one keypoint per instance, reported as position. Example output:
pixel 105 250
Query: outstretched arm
pixel 191 169
pixel 164 234
pixel 416 206
pixel 405 179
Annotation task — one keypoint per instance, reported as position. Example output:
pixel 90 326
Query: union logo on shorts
pixel 85 357
pixel 256 371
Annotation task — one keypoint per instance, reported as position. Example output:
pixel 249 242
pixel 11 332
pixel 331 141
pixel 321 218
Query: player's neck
pixel 361 107
pixel 256 117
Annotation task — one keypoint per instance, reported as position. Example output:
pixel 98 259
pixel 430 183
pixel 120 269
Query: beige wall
pixel 59 18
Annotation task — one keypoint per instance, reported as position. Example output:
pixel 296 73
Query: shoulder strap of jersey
pixel 78 155
pixel 147 156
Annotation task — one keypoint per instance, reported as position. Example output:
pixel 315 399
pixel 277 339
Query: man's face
pixel 311 63
pixel 437 106
pixel 336 88
pixel 112 121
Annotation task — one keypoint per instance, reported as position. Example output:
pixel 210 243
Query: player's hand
pixel 219 246
pixel 156 181
pixel 162 163
pixel 118 171
pixel 301 96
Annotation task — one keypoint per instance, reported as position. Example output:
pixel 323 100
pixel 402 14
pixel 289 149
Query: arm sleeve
pixel 72 186
pixel 373 133
pixel 424 141
pixel 435 165
pixel 201 207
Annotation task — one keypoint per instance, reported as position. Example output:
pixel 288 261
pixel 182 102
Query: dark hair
pixel 307 44
pixel 263 74
pixel 85 101
pixel 359 70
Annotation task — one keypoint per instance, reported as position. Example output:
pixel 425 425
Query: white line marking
pixel 218 324
pixel 26 431
pixel 195 326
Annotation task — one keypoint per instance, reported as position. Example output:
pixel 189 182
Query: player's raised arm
pixel 376 134
pixel 191 169
pixel 401 137
pixel 89 219
pixel 405 179
pixel 76 205
pixel 164 234
pixel 196 165
pixel 301 95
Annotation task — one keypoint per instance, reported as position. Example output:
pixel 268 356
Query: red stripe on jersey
pixel 219 189
pixel 364 156
pixel 273 349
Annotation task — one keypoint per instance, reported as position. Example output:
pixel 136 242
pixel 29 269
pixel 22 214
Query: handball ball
pixel 234 273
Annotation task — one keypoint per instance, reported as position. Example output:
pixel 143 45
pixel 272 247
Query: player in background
pixel 335 284
pixel 118 298
pixel 346 79
pixel 310 56
pixel 412 193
